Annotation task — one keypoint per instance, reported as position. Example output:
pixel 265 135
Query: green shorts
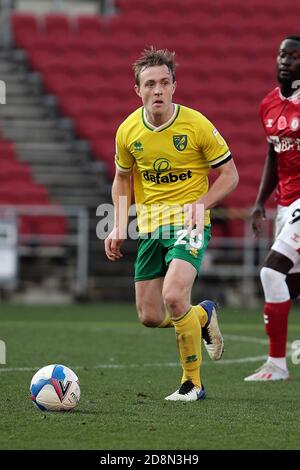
pixel 156 250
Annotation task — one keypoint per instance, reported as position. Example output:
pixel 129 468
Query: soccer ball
pixel 55 388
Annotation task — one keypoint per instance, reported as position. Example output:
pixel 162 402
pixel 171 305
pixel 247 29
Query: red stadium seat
pixel 41 42
pixel 88 23
pixel 122 24
pixel 57 23
pixel 30 193
pixel 25 20
pixel 104 150
pixel 66 43
pixel 73 107
pixel 16 192
pixel 48 63
pixel 57 82
pixel 101 89
pixel 52 229
pixel 46 229
pixel 75 57
pixel 7 150
pixel 23 25
pixel 93 44
pixel 8 195
pixel 12 170
pixel 89 67
pixel 94 127
pixel 135 7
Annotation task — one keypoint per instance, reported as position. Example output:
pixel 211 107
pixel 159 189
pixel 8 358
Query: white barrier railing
pixel 79 239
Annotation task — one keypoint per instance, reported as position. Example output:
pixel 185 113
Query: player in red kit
pixel 280 274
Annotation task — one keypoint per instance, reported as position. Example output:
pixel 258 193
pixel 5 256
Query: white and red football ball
pixel 55 388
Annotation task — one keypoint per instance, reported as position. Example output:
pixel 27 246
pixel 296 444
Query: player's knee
pixel 173 301
pixel 274 285
pixel 269 277
pixel 149 322
pixel 147 316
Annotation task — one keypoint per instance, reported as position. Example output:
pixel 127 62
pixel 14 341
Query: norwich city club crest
pixel 180 142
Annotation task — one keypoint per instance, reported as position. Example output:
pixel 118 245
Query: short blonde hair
pixel 152 57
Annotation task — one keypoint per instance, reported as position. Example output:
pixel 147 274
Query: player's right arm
pixel 121 196
pixel 268 183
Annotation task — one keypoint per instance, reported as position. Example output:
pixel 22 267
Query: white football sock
pixel 278 361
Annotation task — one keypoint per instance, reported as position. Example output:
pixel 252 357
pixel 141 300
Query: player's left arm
pixel 226 181
pixel 217 154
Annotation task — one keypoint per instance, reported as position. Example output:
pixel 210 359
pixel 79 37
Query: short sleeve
pixel 124 160
pixel 213 145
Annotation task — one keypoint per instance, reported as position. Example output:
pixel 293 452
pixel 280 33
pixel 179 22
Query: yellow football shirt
pixel 170 163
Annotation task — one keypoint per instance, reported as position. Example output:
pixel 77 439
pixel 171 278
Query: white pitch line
pixel 245 339
pixel 250 339
pixel 135 366
pixel 241 360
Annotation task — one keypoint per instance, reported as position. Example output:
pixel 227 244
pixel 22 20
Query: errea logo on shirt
pixel 138 146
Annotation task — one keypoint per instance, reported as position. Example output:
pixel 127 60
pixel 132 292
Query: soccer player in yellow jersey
pixel 169 149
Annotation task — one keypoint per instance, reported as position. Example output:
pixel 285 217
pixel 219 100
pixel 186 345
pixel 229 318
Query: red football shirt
pixel 281 120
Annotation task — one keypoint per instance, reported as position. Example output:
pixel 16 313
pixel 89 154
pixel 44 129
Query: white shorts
pixel 287 233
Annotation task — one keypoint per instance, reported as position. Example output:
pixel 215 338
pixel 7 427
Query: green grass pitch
pixel 126 370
